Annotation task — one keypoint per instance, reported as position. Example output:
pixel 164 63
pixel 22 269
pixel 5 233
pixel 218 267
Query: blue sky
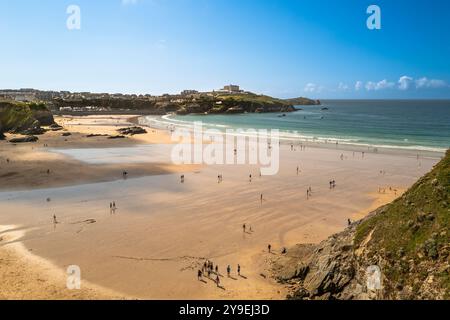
pixel 286 48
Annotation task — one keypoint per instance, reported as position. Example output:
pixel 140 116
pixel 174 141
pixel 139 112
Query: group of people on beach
pixel 244 227
pixel 112 207
pixel 383 190
pixel 308 193
pixel 211 271
pixel 332 184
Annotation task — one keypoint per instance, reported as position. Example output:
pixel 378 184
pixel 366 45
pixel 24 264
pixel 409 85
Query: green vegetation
pixel 302 101
pixel 253 98
pixel 412 233
pixel 15 115
pixel 18 116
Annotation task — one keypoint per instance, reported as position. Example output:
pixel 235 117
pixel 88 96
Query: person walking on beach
pixel 250 177
pixel 298 170
pixel 270 248
pixel 182 179
pixel 349 222
pixel 217 269
pixel 218 281
pixel 262 198
pixel 54 219
pixel 239 269
pixel 229 271
pixel 244 227
pixel 199 275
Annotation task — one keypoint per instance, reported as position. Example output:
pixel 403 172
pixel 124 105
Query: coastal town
pixel 229 99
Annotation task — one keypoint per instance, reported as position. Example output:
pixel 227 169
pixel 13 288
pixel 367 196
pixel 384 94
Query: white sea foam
pixel 168 122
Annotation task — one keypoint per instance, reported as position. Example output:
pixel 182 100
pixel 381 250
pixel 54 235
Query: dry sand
pixel 152 246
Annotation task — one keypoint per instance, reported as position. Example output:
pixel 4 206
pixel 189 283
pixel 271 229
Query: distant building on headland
pixel 188 92
pixel 232 89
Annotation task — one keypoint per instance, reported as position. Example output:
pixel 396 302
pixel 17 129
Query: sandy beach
pixel 162 231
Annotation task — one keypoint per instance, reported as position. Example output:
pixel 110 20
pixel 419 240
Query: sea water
pixel 403 124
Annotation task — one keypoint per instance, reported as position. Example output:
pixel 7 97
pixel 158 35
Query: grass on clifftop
pixel 412 233
pixel 253 98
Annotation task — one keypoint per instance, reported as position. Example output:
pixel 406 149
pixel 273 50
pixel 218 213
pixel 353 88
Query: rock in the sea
pixel 116 137
pixel 24 139
pixel 66 134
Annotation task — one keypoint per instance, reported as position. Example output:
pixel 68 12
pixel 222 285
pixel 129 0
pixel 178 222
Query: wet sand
pixel 152 246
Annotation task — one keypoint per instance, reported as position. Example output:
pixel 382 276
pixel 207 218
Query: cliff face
pixel 302 101
pixel 2 136
pixel 19 117
pixel 401 251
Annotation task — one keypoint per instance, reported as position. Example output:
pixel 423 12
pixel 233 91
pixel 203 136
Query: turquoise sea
pixel 405 124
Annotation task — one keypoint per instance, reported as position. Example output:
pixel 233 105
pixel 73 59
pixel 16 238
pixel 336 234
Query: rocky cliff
pixel 18 117
pixel 197 104
pixel 401 251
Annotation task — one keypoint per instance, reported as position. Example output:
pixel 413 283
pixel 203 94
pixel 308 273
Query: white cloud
pixel 404 82
pixel 430 83
pixel 358 85
pixel 161 45
pixel 343 87
pixel 383 84
pixel 313 88
pixel 129 2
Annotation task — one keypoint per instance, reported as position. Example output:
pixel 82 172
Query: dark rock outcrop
pixel 55 127
pixel 34 129
pixel 2 135
pixel 132 131
pixel 24 139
